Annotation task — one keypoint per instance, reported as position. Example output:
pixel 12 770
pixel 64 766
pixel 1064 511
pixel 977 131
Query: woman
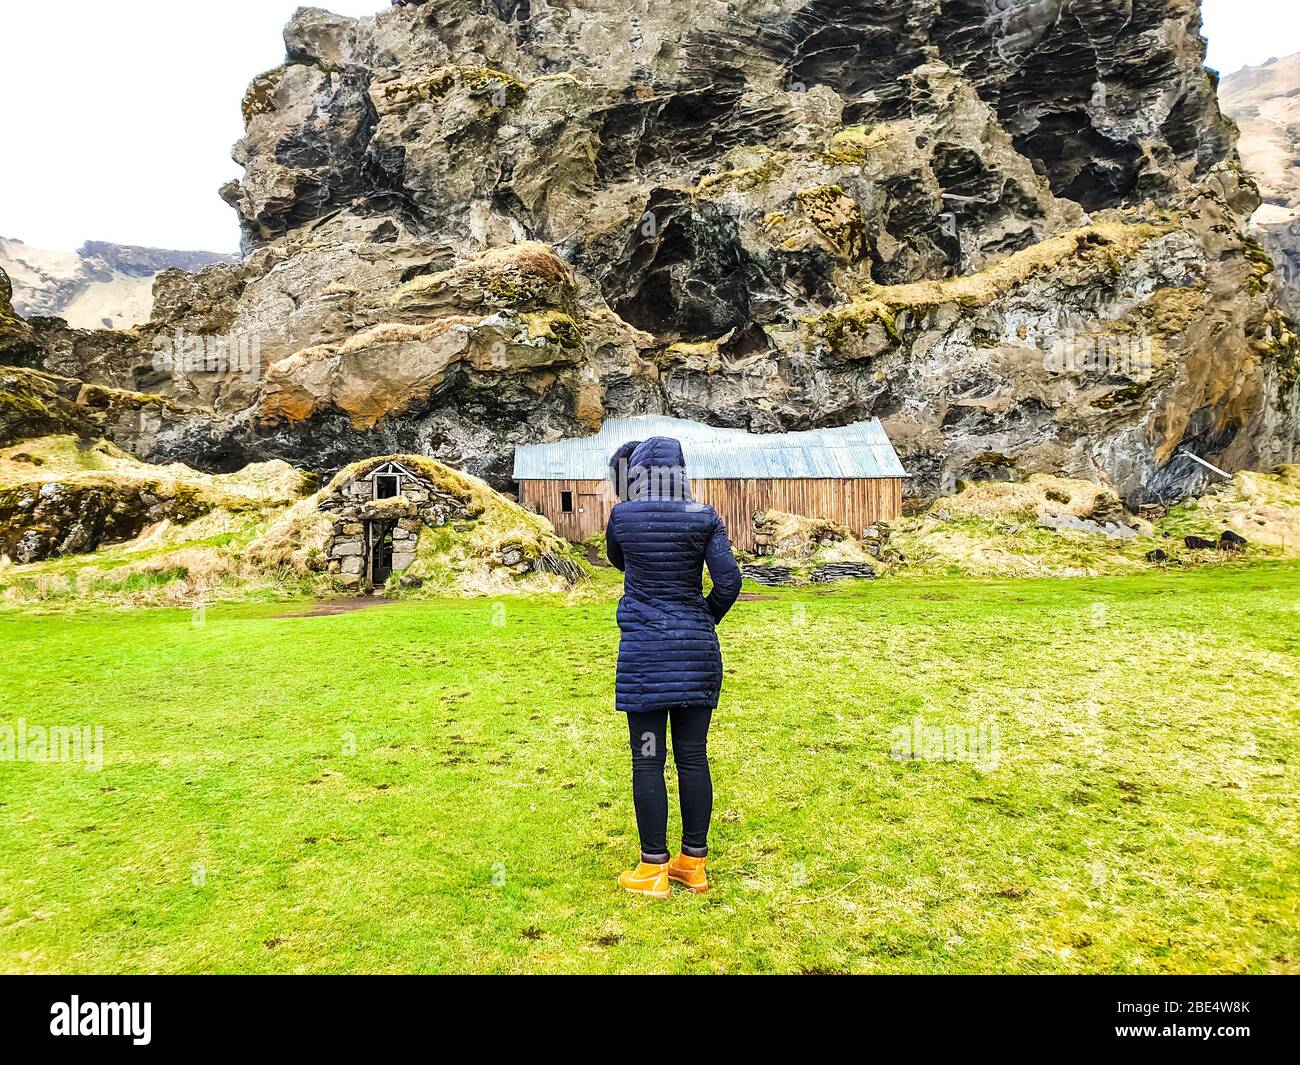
pixel 669 663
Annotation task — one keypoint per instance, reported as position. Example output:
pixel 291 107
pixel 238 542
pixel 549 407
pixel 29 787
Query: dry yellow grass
pixel 1262 507
pixel 66 459
pixel 991 529
pixel 1100 241
pixel 1101 247
pixel 167 565
pixel 1023 500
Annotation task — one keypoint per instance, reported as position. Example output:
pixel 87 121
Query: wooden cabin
pixel 850 475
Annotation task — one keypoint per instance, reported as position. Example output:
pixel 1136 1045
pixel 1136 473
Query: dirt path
pixel 329 607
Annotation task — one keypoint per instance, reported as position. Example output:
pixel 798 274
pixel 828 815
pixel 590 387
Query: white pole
pixel 1207 465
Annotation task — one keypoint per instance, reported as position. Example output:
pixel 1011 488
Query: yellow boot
pixel 647 879
pixel 689 872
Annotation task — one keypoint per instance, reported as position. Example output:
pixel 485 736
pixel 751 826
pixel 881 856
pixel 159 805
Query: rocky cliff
pixel 1264 101
pixel 1014 231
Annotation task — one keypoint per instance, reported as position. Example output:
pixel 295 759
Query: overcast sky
pixel 119 115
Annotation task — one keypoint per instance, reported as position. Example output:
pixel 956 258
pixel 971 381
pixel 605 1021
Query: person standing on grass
pixel 669 661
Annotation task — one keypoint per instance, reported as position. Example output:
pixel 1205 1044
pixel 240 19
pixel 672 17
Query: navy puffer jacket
pixel 668 654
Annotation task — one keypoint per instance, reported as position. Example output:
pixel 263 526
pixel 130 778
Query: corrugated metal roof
pixel 860 450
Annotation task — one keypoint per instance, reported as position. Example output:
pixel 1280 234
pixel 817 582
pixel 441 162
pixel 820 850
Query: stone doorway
pixel 380 537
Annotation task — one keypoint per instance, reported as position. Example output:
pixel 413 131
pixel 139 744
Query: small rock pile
pixel 550 562
pixel 839 571
pixel 778 534
pixel 805 549
pixel 784 576
pixel 1112 530
pixel 770 576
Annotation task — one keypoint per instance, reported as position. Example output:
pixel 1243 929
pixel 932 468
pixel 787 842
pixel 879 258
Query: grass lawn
pixel 443 786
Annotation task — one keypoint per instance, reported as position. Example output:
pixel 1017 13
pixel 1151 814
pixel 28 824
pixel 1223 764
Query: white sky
pixel 119 115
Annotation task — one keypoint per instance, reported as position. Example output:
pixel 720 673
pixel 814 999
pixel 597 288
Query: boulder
pixel 1231 541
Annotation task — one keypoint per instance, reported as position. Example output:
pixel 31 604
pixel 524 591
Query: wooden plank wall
pixel 854 502
pixel 592 502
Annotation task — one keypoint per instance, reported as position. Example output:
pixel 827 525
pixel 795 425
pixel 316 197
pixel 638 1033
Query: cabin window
pixel 566 502
pixel 386 486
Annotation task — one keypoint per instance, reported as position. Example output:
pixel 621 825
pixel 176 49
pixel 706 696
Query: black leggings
pixel 648 735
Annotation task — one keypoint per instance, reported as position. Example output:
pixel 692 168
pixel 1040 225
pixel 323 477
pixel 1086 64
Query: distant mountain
pixel 1265 102
pixel 99 286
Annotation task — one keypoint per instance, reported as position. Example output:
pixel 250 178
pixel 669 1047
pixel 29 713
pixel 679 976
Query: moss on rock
pixel 527 276
pixel 554 326
pixel 743 178
pixel 836 216
pixel 34 404
pixel 477 80
pixel 1094 250
pixel 1261 267
pixel 852 144
pixel 259 99
pixel 1280 344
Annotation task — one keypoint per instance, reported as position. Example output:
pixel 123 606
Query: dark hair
pixel 618 467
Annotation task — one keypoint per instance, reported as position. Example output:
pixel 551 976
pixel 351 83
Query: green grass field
pixel 442 786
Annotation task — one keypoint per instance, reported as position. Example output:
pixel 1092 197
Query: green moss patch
pixel 1098 249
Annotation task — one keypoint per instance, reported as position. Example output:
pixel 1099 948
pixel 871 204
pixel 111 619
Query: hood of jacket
pixel 657 470
pixel 619 466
